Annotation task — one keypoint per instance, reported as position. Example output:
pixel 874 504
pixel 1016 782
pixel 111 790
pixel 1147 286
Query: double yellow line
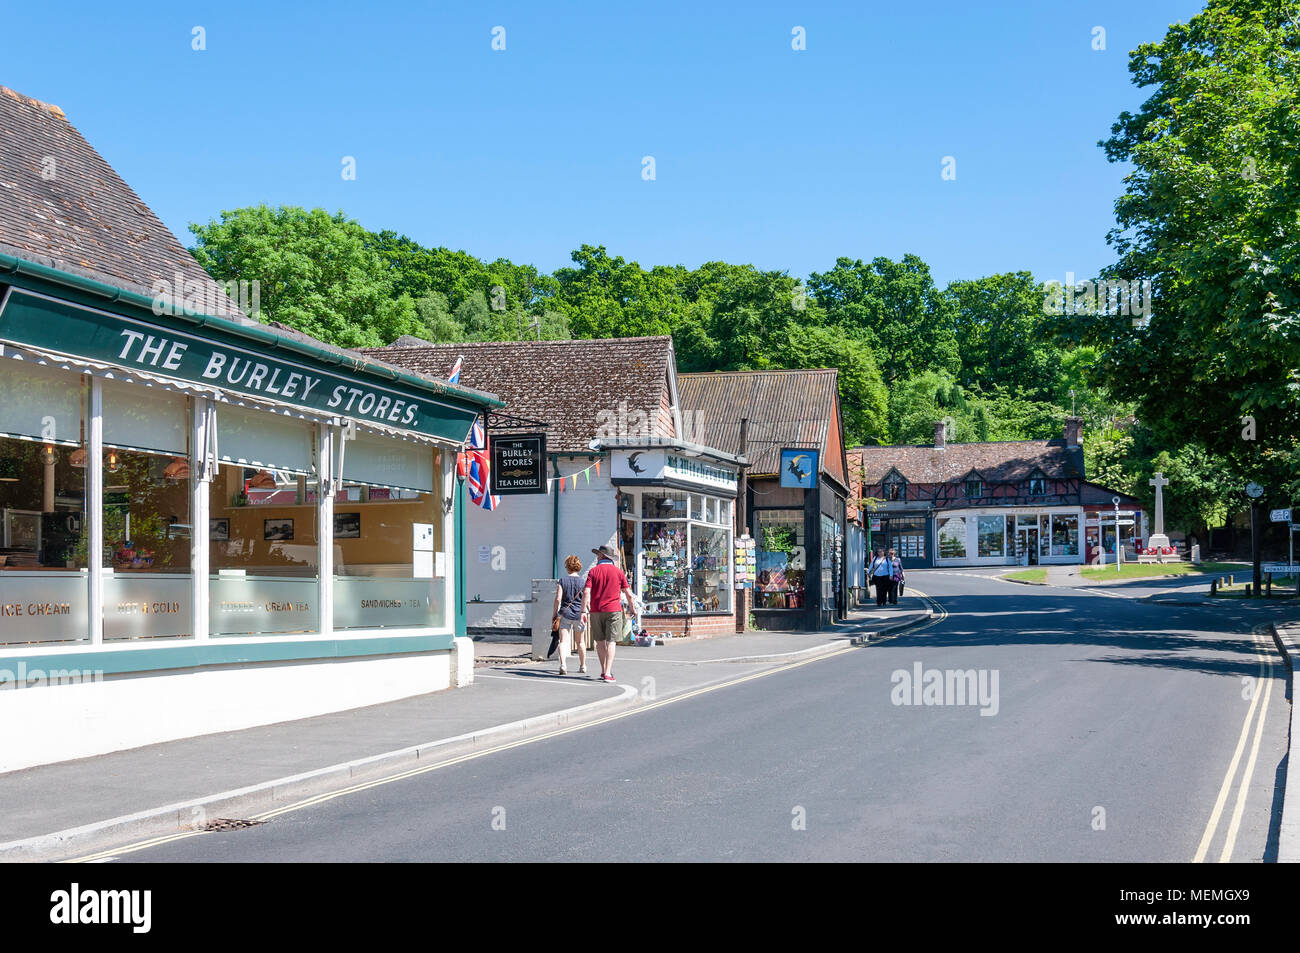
pixel 1264 655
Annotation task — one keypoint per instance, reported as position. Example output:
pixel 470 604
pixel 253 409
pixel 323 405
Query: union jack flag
pixel 478 468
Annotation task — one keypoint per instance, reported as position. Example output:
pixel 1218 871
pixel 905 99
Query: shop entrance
pixel 1027 543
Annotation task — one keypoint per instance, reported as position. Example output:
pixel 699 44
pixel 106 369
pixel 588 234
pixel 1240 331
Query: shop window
pixel 146 514
pixel 1044 536
pixel 663 505
pixel 991 534
pixel 43 586
pixel 781 559
pixel 952 537
pixel 385 543
pixel 263 538
pixel 263 548
pixel 1065 535
pixel 666 566
pixel 710 569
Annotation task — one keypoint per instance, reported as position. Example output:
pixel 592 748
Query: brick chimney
pixel 940 434
pixel 1073 431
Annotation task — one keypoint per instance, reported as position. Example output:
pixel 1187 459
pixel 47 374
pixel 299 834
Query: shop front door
pixel 1027 544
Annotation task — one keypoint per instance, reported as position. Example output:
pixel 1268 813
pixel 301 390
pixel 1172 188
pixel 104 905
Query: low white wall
pixel 49 723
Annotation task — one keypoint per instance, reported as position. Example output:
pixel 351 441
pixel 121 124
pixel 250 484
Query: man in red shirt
pixel 600 603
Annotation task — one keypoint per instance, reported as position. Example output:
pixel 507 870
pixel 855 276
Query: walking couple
pixel 886 574
pixel 597 602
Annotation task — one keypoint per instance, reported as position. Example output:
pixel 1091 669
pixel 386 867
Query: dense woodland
pixel 1207 389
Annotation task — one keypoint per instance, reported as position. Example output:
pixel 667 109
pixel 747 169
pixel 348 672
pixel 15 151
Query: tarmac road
pixel 1109 729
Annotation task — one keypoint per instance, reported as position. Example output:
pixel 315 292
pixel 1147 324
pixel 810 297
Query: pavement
pixel 72 808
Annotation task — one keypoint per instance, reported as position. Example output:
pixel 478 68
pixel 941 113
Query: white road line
pixel 1240 806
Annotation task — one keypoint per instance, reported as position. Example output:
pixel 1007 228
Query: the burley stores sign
pixel 222 362
pixel 519 464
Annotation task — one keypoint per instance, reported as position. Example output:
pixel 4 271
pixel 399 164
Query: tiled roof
pixel 793 408
pixel 1006 461
pixel 1094 494
pixel 583 389
pixel 62 205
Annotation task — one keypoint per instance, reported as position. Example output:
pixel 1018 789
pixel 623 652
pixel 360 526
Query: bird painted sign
pixel 799 468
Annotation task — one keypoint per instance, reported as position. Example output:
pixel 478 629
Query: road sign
pixel 1295 526
pixel 1279 569
pixel 1280 516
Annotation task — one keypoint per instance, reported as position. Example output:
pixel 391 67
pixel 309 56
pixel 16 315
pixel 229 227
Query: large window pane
pixel 146 513
pixel 952 537
pixel 710 568
pixel 1065 535
pixel 782 559
pixel 992 532
pixel 385 541
pixel 43 580
pixel 666 563
pixel 263 546
pixel 663 504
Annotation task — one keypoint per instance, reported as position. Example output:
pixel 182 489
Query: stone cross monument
pixel 1158 538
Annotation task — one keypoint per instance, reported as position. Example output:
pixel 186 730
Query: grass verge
pixel 1037 576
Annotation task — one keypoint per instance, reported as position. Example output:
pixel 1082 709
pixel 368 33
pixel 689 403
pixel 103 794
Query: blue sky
pixel 765 155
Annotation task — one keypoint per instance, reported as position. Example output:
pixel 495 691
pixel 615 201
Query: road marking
pixel 1211 828
pixel 940 615
pixel 1231 841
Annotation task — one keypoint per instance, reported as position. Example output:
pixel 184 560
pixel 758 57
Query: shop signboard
pixel 799 468
pixel 519 464
pixel 219 362
pixel 664 466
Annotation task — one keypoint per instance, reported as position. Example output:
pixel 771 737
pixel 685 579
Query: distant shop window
pixel 1065 535
pixel 685 552
pixel 952 537
pixel 974 488
pixel 781 559
pixel 1037 486
pixel 43 556
pixel 992 535
pixel 663 505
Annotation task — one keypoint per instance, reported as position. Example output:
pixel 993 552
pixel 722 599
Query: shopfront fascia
pixel 676 512
pixel 181 491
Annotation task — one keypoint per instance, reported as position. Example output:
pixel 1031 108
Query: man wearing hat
pixel 600 599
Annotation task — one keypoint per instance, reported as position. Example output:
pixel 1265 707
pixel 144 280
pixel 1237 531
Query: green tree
pixel 1209 217
pixel 317 273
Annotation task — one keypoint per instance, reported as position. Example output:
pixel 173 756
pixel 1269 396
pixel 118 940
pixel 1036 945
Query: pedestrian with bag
pixel 570 617
pixel 881 575
pixel 896 576
pixel 602 593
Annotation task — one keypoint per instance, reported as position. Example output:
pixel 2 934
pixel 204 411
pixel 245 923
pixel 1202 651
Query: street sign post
pixel 1280 516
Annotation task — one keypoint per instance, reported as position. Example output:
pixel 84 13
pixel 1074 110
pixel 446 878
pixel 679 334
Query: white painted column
pixel 95 508
pixel 447 491
pixel 200 509
pixel 325 466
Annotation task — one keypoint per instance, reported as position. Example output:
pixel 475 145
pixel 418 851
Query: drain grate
pixel 230 824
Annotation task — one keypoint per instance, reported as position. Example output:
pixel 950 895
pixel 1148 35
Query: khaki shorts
pixel 573 625
pixel 607 626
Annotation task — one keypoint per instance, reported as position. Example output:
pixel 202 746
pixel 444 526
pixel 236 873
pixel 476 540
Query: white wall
pixel 48 723
pixel 518 539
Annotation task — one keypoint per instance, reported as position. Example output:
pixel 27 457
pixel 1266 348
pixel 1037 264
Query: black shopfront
pixel 801 547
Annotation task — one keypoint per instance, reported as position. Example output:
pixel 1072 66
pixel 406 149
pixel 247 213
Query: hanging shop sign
pixel 79 331
pixel 799 468
pixel 519 464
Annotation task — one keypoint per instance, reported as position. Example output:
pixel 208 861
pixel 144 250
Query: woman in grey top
pixel 568 607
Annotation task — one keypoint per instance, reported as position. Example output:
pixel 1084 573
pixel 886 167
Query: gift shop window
pixel 685 546
pixel 782 559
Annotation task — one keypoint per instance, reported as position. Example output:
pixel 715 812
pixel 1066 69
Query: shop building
pixel 788 425
pixel 1099 506
pixel 975 504
pixel 619 472
pixel 208 523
